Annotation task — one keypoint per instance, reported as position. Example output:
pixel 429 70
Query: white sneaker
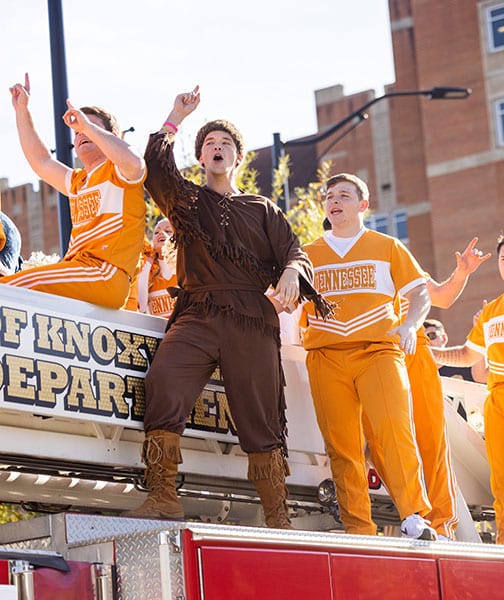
pixel 443 538
pixel 417 528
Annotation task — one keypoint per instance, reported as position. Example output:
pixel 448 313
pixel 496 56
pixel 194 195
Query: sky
pixel 258 64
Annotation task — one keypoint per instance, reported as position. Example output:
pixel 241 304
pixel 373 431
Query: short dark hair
pixel 362 188
pixel 109 121
pixel 433 323
pixel 218 125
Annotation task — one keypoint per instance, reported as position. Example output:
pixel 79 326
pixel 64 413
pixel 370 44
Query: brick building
pixel 435 168
pixel 35 213
pixel 448 156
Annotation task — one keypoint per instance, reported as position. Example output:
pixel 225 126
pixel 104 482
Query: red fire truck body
pixel 113 557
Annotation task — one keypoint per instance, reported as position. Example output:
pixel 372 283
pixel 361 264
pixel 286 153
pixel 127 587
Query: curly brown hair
pixel 218 125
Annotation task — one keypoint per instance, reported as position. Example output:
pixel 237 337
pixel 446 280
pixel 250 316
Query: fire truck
pixel 71 407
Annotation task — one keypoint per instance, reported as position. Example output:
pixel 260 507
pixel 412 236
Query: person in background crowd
pixel 438 338
pixel 10 245
pixel 158 273
pixel 487 338
pixel 428 404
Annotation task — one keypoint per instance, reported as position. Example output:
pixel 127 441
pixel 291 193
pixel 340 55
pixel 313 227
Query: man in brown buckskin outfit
pixel 231 248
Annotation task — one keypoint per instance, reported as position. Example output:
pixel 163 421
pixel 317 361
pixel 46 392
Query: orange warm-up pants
pixel 84 278
pixel 494 441
pixel 345 381
pixel 430 428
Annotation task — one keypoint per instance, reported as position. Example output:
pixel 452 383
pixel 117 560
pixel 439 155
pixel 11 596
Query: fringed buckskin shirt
pixel 231 248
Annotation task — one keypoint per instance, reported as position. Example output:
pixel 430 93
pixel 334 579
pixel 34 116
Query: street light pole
pixel 60 94
pixel 277 154
pixel 358 116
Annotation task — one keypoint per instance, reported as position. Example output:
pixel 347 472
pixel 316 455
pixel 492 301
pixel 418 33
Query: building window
pixel 400 226
pixel 377 223
pixel 495 19
pixel 499 116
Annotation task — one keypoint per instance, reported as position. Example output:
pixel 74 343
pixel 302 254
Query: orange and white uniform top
pixel 159 300
pixel 487 338
pixel 108 216
pixel 364 281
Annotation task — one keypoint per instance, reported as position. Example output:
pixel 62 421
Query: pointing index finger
pixel 471 245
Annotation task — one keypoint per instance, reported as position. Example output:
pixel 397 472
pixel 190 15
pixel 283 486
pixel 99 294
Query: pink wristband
pixel 170 125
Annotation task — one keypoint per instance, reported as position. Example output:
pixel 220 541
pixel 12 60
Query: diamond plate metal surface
pixel 172 563
pixel 38 544
pixel 92 528
pixel 137 550
pixel 138 566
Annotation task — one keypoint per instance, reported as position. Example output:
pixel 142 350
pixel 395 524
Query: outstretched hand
pixel 470 260
pixel 20 93
pixel 185 103
pixel 75 118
